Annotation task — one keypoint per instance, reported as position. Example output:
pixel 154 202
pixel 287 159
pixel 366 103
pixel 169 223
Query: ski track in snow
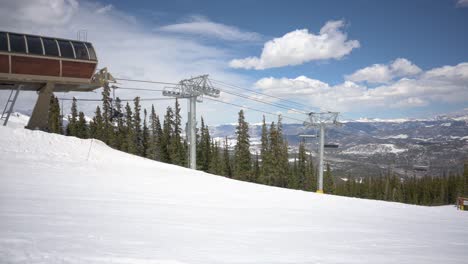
pixel 58 206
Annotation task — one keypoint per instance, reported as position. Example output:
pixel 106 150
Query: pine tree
pixel 204 147
pixel 328 185
pixel 55 119
pixel 215 160
pixel 265 175
pixel 311 178
pixel 155 136
pixel 227 159
pixel 82 127
pixel 256 169
pixel 302 166
pixel 138 134
pixel 99 124
pixel 146 136
pixel 465 178
pixel 72 119
pixel 119 136
pixel 242 159
pixel 129 144
pixel 283 158
pixel 167 133
pixel 177 151
pixel 107 128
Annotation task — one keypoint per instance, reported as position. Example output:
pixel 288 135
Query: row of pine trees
pixel 133 130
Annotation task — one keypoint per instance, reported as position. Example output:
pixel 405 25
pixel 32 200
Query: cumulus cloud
pixel 128 48
pixel 462 3
pixel 447 84
pixel 43 12
pixel 300 46
pixel 384 73
pixel 199 25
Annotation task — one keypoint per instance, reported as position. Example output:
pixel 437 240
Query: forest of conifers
pixel 140 132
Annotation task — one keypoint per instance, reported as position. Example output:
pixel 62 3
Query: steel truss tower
pixel 321 121
pixel 192 89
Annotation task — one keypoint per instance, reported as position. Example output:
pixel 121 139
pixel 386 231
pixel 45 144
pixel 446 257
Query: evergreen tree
pixel 81 126
pixel 55 119
pixel 146 136
pixel 283 158
pixel 138 131
pixel 311 178
pixel 328 185
pixel 119 136
pixel 227 159
pixel 242 159
pixel 107 128
pixel 204 148
pixel 155 137
pixel 256 169
pixel 177 151
pixel 465 178
pixel 72 119
pixel 265 175
pixel 302 166
pixel 129 143
pixel 99 124
pixel 215 160
pixel 167 133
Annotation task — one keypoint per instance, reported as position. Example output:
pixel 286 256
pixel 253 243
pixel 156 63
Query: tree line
pixel 130 129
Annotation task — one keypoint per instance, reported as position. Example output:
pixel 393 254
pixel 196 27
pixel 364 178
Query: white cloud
pixel 447 84
pixel 381 73
pixel 125 46
pixel 104 9
pixel 202 26
pixel 43 12
pixel 300 46
pixel 462 3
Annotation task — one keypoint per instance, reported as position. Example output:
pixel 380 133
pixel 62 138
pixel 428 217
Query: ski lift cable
pixel 144 81
pixel 281 105
pixel 122 100
pixel 264 102
pixel 223 90
pixel 260 93
pixel 254 109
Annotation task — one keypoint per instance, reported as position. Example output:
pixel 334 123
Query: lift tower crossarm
pixel 192 89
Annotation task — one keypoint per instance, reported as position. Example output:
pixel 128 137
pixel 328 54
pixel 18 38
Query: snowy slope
pixel 59 204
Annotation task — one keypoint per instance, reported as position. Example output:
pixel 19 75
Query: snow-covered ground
pixel 67 200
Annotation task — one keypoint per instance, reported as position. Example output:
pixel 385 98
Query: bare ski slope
pixel 67 200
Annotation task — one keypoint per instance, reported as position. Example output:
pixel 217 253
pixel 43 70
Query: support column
pixel 12 104
pixel 322 143
pixel 193 137
pixel 39 118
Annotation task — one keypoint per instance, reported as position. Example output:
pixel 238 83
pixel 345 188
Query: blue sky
pixel 385 59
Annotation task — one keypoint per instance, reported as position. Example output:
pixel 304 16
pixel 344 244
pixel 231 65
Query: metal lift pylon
pixel 9 106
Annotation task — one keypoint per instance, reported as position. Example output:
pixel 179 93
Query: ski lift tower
pixel 321 121
pixel 192 89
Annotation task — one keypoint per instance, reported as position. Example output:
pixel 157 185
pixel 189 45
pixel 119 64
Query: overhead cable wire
pixel 122 100
pixel 137 89
pixel 232 93
pixel 254 109
pixel 265 102
pixel 144 81
pixel 260 93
